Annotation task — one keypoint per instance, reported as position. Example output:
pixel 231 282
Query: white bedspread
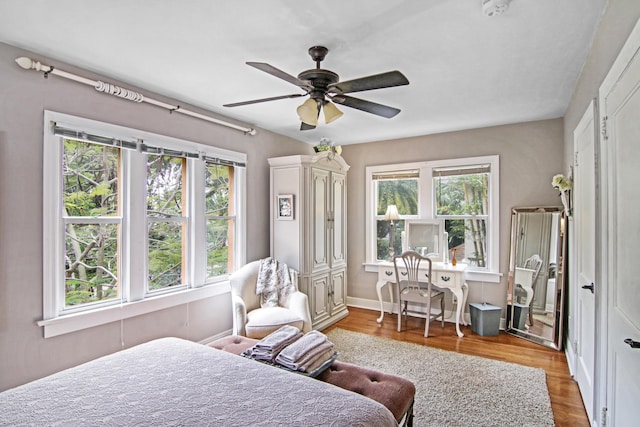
pixel 171 381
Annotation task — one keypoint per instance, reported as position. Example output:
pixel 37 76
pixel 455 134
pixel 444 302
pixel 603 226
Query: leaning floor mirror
pixel 537 275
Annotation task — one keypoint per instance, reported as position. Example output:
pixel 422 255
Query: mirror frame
pixel 561 269
pixel 441 241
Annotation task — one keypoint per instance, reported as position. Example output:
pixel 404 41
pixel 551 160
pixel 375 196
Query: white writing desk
pixel 443 276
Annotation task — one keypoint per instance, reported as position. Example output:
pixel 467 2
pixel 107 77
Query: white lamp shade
pixel 392 213
pixel 308 112
pixel 331 112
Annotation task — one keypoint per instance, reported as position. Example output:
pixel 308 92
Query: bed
pixel 171 381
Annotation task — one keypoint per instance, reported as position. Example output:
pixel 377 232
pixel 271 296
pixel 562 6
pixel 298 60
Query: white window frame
pixel 426 209
pixel 134 300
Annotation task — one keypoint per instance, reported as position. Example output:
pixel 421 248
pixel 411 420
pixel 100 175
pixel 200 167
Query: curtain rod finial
pixel 24 62
pixel 30 64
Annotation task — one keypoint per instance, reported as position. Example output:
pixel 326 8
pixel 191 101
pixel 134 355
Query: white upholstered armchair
pixel 252 320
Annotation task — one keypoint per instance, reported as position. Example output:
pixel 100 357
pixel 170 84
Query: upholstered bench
pixel 235 344
pixel 396 393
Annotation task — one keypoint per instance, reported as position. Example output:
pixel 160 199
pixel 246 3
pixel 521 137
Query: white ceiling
pixel 466 70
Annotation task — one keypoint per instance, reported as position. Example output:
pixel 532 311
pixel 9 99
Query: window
pixel 92 223
pixel 131 216
pixel 166 221
pixel 462 200
pixel 462 192
pixel 398 188
pixel 220 218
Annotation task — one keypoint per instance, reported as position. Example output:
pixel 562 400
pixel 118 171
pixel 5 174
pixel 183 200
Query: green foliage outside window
pixel 90 189
pixel 463 201
pixel 404 194
pixel 220 218
pixel 166 238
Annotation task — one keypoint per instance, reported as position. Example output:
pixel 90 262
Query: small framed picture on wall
pixel 285 206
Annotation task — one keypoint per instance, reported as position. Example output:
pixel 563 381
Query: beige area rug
pixel 454 389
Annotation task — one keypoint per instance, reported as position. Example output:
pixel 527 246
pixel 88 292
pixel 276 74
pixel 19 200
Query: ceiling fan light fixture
pixel 308 112
pixel 320 84
pixel 494 7
pixel 331 112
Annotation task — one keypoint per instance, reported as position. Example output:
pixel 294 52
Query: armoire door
pixel 320 298
pixel 338 291
pixel 319 215
pixel 338 220
pixel 620 115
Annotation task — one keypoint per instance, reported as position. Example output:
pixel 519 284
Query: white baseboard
pixel 212 338
pixel 374 305
pixel 571 356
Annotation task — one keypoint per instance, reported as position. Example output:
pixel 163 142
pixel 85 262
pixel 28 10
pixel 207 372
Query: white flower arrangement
pixel 562 183
pixel 327 145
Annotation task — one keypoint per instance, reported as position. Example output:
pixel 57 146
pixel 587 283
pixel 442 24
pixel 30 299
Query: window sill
pixel 469 273
pixel 88 319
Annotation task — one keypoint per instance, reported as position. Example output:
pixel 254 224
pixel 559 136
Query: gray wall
pixel 24 95
pixel 615 26
pixel 530 154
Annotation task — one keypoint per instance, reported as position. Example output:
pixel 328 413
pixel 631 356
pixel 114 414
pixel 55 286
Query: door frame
pixel 592 112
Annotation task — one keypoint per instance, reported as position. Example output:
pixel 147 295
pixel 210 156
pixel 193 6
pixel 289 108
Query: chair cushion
pixel 262 321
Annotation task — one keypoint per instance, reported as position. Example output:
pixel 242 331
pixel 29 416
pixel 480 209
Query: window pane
pixel 383 233
pixel 220 228
pixel 165 254
pixel 90 179
pixel 92 263
pixel 164 185
pixel 469 239
pixel 217 196
pixel 462 194
pixel 219 236
pixel 400 192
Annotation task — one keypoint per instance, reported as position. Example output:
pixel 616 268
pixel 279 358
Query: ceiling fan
pixel 323 86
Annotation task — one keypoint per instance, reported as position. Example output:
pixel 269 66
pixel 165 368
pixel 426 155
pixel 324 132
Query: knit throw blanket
pixel 274 283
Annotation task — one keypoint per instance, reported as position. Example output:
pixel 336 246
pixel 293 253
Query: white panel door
pixel 620 111
pixel 584 315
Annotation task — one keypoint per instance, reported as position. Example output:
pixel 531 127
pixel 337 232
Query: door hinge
pixel 603 127
pixel 603 416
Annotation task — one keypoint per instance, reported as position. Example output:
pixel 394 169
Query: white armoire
pixel 313 238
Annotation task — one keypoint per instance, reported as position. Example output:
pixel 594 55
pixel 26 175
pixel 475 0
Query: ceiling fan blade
pixel 304 126
pixel 273 98
pixel 368 106
pixel 270 69
pixel 376 81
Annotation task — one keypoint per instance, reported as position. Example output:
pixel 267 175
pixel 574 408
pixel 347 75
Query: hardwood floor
pixel 566 402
